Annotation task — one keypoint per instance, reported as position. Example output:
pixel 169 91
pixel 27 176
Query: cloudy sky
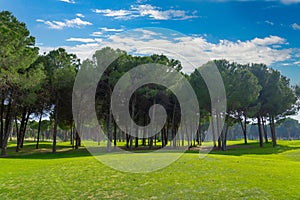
pixel 242 31
pixel 193 31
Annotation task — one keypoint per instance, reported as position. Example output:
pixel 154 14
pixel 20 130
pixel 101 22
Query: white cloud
pixel 111 29
pixel 271 40
pixel 80 15
pixel 296 63
pixel 269 22
pixel 68 1
pixel 147 10
pixel 296 26
pixel 69 23
pixel 158 14
pixel 117 14
pixel 96 33
pixel 258 50
pixel 191 51
pixel 84 40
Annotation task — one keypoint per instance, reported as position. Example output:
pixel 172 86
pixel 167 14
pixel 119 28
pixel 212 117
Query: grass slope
pixel 243 172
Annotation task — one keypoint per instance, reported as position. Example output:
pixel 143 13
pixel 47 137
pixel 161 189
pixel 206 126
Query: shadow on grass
pixel 66 151
pixel 254 149
pixel 45 151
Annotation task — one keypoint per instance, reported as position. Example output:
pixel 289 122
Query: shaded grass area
pixel 242 172
pixel 252 148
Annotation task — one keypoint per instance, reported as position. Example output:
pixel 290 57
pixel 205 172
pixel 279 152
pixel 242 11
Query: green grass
pixel 243 172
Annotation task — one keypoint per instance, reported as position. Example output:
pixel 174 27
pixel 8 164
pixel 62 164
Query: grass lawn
pixel 244 172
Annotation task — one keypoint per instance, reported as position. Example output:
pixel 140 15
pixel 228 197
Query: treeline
pixel 33 85
pixel 255 93
pixel 286 129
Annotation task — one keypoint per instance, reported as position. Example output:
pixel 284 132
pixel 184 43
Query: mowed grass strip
pixel 242 172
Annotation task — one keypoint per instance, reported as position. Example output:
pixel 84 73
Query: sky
pixel 244 31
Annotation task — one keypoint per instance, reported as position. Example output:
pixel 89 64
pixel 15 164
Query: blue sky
pixel 241 31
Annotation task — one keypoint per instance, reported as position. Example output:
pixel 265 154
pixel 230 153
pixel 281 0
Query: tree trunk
pixel 115 135
pixel 39 130
pixel 77 141
pixel 6 135
pixel 244 128
pixel 213 130
pixel 224 136
pixel 152 126
pixel 265 130
pixel 130 142
pixel 144 132
pixel 167 134
pixel 261 142
pixel 55 128
pixel 8 121
pixel 173 126
pixel 127 141
pixel 218 130
pixel 66 135
pixel 25 126
pixel 21 130
pixel 11 130
pixel 272 126
pixel 1 120
pixel 162 137
pixel 109 132
pixel 136 144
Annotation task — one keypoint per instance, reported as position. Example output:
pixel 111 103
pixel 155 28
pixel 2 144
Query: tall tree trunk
pixel 11 129
pixel 173 125
pixel 17 126
pixel 261 142
pixel 1 119
pixel 72 134
pixel 109 132
pixel 187 136
pixel 199 140
pixel 218 130
pixel 7 132
pixel 55 126
pixel 115 135
pixel 213 130
pixel 8 121
pixel 66 135
pixel 130 142
pixel 272 126
pixel 21 130
pixel 39 130
pixel 152 126
pixel 25 126
pixel 77 140
pixel 167 134
pixel 182 136
pixel 224 135
pixel 163 137
pixel 264 125
pixel 127 141
pixel 54 136
pixel 136 143
pixel 244 127
pixel 144 131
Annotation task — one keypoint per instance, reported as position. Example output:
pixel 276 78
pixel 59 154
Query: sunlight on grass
pixel 239 173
